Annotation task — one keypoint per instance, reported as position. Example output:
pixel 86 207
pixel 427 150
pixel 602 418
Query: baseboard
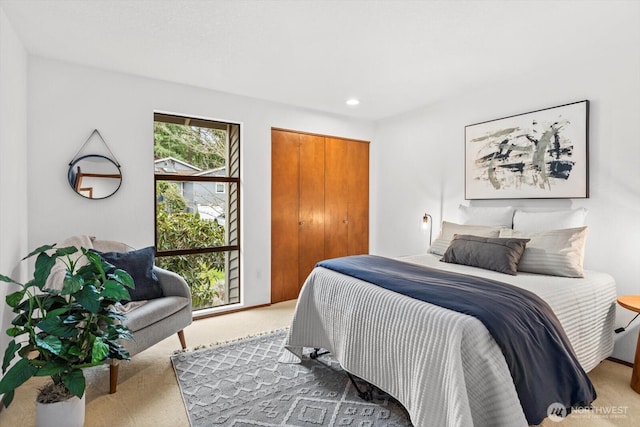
pixel 220 313
pixel 622 362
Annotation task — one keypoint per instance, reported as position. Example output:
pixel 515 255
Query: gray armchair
pixel 158 318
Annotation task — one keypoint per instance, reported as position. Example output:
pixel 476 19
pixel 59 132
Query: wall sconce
pixel 427 224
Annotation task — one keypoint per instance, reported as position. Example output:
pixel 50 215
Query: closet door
pixel 319 205
pixel 336 194
pixel 285 198
pixel 358 200
pixel 346 197
pixel 311 208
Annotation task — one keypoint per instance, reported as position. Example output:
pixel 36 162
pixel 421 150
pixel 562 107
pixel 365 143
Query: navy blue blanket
pixel 540 358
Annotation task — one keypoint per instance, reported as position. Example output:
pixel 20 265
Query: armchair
pixel 158 318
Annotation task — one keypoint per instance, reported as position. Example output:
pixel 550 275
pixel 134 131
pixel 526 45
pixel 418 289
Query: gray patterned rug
pixel 243 384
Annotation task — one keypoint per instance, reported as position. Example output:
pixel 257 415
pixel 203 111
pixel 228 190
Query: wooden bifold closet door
pixel 319 205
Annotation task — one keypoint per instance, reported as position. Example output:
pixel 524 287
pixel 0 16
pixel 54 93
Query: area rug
pixel 242 384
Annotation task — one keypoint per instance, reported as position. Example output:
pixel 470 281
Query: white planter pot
pixel 69 413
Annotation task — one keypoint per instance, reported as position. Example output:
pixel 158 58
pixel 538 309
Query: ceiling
pixel 394 56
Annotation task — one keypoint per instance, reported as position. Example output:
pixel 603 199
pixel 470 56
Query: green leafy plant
pixel 58 332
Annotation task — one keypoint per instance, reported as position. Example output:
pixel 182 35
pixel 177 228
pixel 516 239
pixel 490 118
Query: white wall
pixel 418 158
pixel 66 102
pixel 13 165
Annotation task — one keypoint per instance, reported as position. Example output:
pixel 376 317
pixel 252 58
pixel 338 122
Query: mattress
pixel 443 366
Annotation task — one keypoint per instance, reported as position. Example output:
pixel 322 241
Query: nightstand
pixel 632 302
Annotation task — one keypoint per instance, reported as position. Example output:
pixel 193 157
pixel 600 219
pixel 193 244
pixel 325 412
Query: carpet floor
pixel 242 384
pixel 148 393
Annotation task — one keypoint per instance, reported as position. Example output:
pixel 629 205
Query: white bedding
pixel 443 366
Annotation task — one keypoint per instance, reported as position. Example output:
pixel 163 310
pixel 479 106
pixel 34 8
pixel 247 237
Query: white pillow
pixel 449 229
pixel 500 217
pixel 554 252
pixel 544 221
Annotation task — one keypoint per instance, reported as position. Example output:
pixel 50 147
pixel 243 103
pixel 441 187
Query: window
pixel 197 184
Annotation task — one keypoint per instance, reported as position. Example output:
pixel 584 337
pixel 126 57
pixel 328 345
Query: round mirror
pixel 94 176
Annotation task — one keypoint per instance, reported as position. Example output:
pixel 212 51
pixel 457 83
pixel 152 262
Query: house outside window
pixel 197 176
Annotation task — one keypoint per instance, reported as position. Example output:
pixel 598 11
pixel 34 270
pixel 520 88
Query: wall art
pixel 538 155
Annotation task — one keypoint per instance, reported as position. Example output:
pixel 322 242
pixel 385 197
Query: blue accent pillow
pixel 139 264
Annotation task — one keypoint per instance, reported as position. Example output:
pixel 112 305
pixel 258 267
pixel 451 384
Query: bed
pixel 443 366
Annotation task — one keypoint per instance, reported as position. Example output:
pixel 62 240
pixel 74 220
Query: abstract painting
pixel 538 155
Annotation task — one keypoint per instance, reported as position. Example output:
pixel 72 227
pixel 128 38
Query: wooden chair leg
pixel 113 377
pixel 183 342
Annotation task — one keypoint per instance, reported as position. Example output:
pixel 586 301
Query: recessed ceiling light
pixel 352 102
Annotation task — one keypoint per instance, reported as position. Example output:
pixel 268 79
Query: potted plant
pixel 58 332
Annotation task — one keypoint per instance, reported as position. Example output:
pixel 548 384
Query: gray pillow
pixel 490 253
